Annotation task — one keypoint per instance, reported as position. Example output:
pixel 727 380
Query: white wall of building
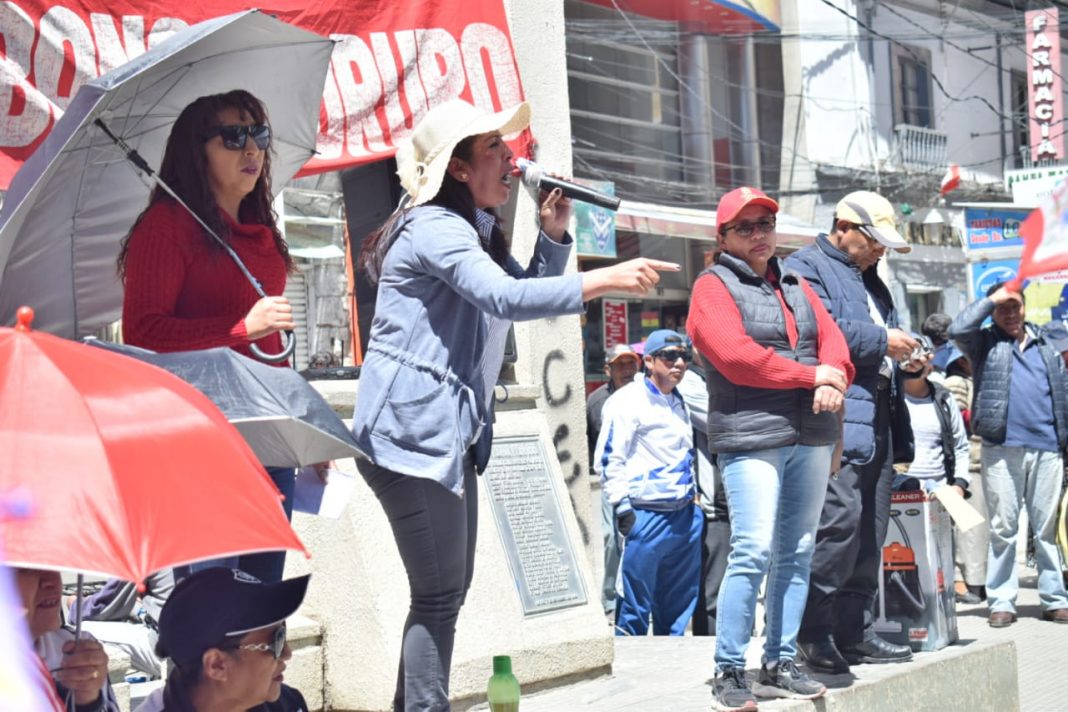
pixel 970 125
pixel 835 84
pixel 848 102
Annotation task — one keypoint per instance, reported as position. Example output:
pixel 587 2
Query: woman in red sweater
pixel 182 290
pixel 777 370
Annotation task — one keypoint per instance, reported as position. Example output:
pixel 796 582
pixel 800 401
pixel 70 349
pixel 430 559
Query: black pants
pixel 845 565
pixel 715 548
pixel 435 533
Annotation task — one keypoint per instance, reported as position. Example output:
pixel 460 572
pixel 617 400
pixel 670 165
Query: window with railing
pixel 920 150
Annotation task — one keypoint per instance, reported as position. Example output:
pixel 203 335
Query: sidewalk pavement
pixel 674 674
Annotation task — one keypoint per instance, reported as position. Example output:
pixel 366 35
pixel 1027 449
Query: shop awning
pixel 713 17
pixel 696 224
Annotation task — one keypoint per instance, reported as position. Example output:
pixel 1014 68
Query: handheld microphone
pixel 535 177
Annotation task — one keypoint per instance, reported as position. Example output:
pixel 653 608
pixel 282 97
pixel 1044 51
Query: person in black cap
pixel 225 633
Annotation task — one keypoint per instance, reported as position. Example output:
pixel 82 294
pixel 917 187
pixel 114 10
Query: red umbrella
pixel 130 469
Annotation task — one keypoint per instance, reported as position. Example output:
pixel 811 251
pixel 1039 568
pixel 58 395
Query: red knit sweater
pixel 715 326
pixel 183 294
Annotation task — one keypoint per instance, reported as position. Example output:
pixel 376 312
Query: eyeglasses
pixel 747 229
pixel 275 647
pixel 234 137
pixel 673 355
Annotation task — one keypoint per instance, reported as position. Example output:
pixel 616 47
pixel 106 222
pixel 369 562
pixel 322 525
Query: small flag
pixel 1045 238
pixel 951 180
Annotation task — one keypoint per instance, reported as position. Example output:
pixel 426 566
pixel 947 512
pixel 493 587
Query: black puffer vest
pixel 742 418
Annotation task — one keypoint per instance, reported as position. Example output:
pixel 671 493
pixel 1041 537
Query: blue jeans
pixel 775 497
pixel 661 571
pixel 268 566
pixel 1015 477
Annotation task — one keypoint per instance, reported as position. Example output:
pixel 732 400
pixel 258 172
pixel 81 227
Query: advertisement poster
pixel 993 228
pixel 615 322
pixel 1047 296
pixel 595 227
pixel 987 274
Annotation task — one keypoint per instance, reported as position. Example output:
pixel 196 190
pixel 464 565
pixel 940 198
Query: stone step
pixel 674 674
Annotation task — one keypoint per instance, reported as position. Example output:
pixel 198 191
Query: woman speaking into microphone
pixel 447 286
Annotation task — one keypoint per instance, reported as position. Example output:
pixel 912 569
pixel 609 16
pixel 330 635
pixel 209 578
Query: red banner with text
pixel 393 60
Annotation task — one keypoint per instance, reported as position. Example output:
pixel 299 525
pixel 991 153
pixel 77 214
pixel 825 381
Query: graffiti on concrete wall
pixel 559 397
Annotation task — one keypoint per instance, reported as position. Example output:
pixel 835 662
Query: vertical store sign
pixel 1044 101
pixel 615 322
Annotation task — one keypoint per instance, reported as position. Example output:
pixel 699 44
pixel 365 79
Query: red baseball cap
pixel 732 203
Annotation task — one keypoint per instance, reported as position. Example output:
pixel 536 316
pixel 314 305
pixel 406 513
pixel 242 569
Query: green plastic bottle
pixel 503 689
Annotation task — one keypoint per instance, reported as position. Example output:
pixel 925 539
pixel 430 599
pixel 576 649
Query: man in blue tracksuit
pixel 644 456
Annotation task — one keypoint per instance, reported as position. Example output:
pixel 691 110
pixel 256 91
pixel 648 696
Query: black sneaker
pixel 784 679
pixel 730 692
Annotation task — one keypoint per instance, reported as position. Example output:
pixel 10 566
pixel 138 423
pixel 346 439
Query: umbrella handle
pixel 291 345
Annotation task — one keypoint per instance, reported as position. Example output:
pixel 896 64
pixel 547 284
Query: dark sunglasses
pixel 235 137
pixel 673 355
pixel 275 647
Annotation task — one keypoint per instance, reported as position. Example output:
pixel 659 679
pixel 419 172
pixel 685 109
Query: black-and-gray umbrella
pixel 281 416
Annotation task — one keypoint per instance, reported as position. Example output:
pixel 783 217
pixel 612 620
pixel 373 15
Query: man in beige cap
pixel 621 363
pixel 836 630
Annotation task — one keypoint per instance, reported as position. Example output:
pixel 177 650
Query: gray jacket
pixel 990 351
pixel 421 402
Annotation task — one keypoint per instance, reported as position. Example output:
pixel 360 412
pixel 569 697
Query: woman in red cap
pixel 777 370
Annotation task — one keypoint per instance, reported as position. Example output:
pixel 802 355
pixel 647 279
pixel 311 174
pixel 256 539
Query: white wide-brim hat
pixel 421 161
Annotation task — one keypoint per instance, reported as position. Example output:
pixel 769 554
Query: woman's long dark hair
pixel 453 195
pixel 185 170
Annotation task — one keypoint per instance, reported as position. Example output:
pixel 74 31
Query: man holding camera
pixel 1020 410
pixel 836 630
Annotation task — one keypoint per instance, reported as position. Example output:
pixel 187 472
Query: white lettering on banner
pixel 479 38
pixel 1044 95
pixel 440 67
pixel 413 91
pixel 164 28
pixel 111 51
pixel 62 28
pixel 378 86
pixel 16 36
pixel 360 85
pixel 387 69
pixel 329 143
pixel 413 85
pixel 1042 76
pixel 367 76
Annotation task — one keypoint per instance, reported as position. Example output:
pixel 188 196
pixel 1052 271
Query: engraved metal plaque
pixel 526 505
